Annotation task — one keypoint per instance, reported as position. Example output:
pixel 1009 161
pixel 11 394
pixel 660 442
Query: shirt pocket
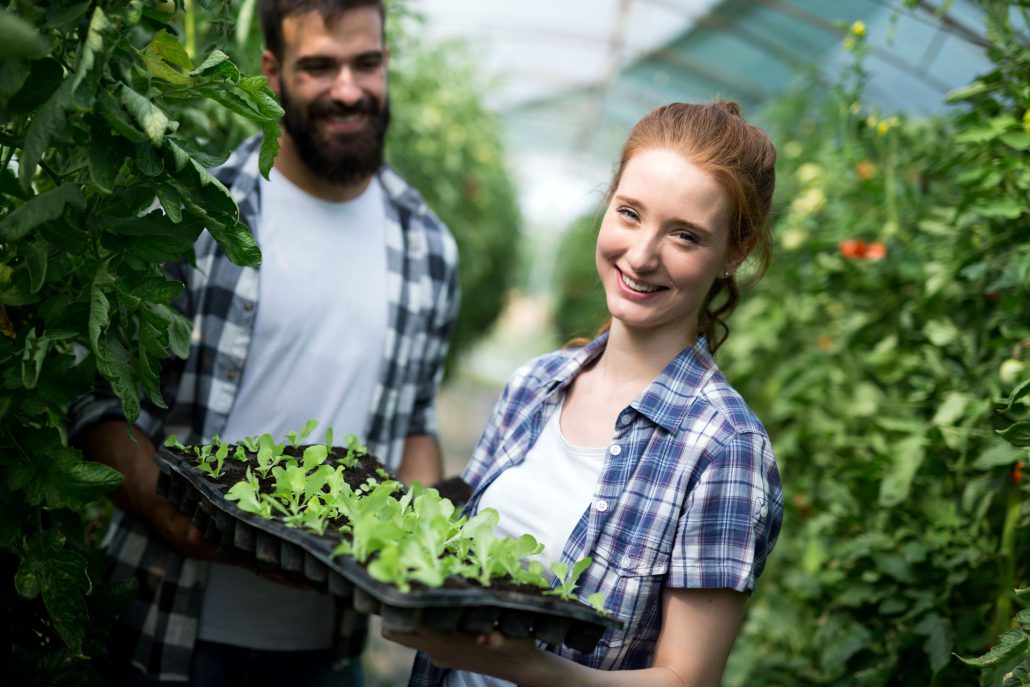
pixel 632 582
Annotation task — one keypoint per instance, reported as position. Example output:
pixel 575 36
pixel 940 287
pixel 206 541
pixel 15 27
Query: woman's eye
pixel 628 213
pixel 686 237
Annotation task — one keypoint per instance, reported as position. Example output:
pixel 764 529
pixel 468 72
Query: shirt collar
pixel 665 400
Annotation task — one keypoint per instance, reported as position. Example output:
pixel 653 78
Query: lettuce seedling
pixel 596 601
pixel 269 454
pixel 294 439
pixel 172 442
pixel 354 446
pixel 240 454
pixel 478 538
pixel 567 579
pixel 314 456
pixel 375 522
pixel 247 494
pixel 212 464
pixel 509 554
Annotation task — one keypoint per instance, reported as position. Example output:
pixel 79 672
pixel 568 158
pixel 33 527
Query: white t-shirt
pixel 545 495
pixel 316 353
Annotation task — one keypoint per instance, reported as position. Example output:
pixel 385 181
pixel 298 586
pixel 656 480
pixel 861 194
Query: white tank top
pixel 545 495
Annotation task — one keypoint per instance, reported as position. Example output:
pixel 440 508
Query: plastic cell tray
pixel 305 557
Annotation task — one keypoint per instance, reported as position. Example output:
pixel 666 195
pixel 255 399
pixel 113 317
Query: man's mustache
pixel 330 108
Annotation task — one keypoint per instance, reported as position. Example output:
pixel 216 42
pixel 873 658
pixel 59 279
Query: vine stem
pixel 1003 604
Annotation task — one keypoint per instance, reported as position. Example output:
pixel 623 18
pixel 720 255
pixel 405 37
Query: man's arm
pixel 108 442
pixel 422 461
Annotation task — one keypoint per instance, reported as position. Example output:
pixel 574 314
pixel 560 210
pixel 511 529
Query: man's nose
pixel 345 87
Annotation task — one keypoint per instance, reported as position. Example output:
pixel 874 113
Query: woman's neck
pixel 635 357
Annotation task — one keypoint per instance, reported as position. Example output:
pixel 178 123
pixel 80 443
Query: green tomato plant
pixel 100 183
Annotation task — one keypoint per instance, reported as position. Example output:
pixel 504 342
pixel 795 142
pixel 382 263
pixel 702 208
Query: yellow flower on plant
pixel 1026 121
pixel 858 28
pixel 883 127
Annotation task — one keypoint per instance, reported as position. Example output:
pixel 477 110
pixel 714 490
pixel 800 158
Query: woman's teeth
pixel 637 286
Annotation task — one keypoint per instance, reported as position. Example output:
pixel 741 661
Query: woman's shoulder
pixel 728 407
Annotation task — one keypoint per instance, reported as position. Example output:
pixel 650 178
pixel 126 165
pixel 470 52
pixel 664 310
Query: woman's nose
pixel 643 253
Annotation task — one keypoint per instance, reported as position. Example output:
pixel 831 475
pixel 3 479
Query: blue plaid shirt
pixel 158 631
pixel 689 495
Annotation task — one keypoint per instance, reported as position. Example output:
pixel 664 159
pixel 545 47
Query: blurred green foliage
pixel 579 309
pixel 896 313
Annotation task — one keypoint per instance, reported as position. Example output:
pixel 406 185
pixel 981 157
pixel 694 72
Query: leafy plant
pixel 100 184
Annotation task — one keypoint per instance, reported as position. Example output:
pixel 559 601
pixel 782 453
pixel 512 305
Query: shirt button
pixel 231 375
pixel 249 307
pixel 625 419
pixel 615 449
pixel 626 560
pixel 601 506
pixel 764 511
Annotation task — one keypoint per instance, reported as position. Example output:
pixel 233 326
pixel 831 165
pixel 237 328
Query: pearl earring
pixel 726 274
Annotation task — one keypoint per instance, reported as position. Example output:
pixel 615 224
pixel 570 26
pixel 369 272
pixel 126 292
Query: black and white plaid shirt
pixel 157 633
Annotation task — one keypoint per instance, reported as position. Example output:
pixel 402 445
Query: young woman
pixel 634 449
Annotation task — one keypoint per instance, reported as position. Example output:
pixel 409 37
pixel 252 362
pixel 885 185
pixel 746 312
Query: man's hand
pixel 108 442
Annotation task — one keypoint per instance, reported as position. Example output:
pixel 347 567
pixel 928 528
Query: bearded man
pixel 346 321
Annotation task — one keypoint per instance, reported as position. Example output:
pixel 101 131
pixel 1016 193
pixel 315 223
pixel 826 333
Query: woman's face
pixel 663 242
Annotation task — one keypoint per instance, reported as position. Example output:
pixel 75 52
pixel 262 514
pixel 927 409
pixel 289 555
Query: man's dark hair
pixel 273 12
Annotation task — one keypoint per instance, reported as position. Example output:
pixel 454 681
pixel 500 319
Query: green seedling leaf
pixel 567 583
pixel 354 445
pixel 596 601
pixel 247 495
pixel 172 442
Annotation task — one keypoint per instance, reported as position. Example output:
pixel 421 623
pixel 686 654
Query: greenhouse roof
pixel 571 83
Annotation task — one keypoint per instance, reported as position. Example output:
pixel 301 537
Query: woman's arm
pixel 698 630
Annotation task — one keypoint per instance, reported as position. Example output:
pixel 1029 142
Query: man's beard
pixel 341 159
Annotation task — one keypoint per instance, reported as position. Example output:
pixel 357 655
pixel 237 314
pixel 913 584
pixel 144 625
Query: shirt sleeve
pixel 731 518
pixel 445 317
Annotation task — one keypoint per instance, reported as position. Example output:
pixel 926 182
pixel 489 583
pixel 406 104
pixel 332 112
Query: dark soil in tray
pixel 302 556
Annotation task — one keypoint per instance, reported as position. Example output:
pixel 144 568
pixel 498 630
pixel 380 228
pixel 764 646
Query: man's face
pixel 332 85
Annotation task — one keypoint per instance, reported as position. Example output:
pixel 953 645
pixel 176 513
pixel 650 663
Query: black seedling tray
pixel 304 557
